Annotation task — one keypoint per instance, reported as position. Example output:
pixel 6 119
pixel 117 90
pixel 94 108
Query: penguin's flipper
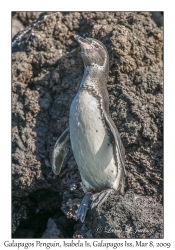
pixel 113 131
pixel 60 151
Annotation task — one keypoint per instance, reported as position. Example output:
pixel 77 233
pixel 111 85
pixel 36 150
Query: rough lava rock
pixel 46 72
pixel 129 216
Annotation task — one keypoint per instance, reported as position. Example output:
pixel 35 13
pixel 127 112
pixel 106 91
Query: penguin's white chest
pixel 90 143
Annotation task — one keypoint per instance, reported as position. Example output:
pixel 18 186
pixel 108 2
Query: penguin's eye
pixel 96 46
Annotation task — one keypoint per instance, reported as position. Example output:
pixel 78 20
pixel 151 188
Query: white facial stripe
pixel 98 66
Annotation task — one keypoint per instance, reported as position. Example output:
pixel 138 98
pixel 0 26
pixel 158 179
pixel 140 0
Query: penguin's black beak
pixel 82 41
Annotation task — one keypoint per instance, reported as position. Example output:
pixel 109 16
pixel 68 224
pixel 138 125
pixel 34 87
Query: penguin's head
pixel 93 52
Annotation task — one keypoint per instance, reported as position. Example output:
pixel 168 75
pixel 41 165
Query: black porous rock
pixel 46 72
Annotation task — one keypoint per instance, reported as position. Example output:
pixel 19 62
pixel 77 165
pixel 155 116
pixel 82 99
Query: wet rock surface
pixel 46 72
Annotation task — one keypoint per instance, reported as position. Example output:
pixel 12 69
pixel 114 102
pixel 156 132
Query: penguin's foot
pixel 84 206
pixel 98 198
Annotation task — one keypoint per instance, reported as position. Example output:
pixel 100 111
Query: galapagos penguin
pixel 92 134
